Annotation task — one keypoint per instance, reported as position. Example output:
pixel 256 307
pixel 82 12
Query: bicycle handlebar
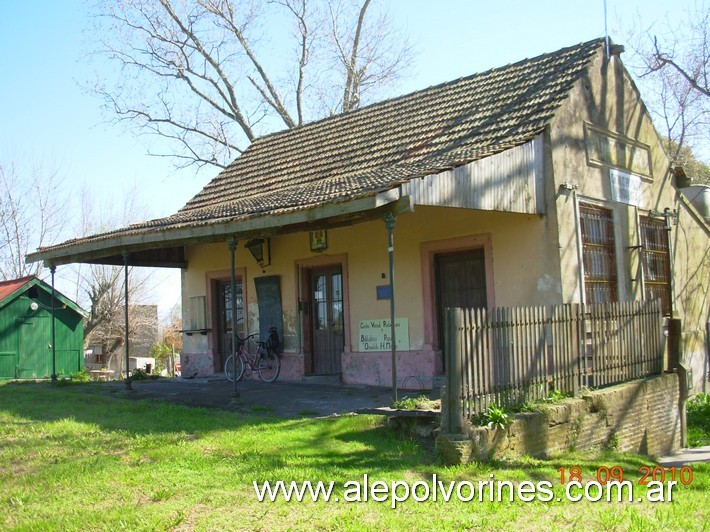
pixel 245 338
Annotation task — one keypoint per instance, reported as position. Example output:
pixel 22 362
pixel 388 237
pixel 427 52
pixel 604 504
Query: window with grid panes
pixel 656 261
pixel 598 254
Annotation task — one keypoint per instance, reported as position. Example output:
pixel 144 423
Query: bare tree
pixel 32 204
pixel 212 75
pixel 101 287
pixel 674 73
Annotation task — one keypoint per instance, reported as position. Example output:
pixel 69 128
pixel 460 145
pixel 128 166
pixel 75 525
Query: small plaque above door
pixel 319 240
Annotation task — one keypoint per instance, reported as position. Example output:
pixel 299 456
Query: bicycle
pixel 265 362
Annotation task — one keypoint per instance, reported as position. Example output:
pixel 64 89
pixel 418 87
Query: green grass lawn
pixel 73 459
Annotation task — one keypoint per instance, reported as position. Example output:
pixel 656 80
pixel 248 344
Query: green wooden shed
pixel 26 330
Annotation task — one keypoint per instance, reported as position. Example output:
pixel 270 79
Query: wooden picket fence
pixel 509 356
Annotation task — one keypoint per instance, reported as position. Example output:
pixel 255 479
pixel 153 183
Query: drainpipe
pixel 639 247
pixel 129 386
pixel 580 259
pixel 233 287
pixel 390 220
pixel 53 269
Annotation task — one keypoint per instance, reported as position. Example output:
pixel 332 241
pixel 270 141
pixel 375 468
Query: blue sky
pixel 46 114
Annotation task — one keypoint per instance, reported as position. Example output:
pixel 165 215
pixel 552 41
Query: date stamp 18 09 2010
pixel 646 474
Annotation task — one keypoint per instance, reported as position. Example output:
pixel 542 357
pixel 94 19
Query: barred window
pixel 656 261
pixel 598 254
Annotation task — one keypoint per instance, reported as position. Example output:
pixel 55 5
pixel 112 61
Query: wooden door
pixel 224 320
pixel 35 349
pixel 328 333
pixel 460 283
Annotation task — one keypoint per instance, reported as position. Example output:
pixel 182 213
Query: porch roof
pixel 342 165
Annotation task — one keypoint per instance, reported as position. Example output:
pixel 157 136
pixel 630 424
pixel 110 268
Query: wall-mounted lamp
pixel 34 306
pixel 260 249
pixel 568 186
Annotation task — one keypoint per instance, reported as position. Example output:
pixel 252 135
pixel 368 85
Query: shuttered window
pixel 656 261
pixel 598 254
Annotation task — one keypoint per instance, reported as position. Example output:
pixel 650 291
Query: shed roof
pixel 13 288
pixel 375 148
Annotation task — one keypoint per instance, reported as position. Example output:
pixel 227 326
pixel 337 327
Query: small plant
pixel 555 396
pixel 139 374
pixel 80 376
pixel 612 443
pixel 495 417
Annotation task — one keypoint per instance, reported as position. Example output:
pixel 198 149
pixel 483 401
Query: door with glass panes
pixel 327 320
pixel 224 319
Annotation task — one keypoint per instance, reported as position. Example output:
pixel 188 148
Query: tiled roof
pixel 381 145
pixel 377 147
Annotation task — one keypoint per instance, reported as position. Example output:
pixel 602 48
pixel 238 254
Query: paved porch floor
pixel 284 399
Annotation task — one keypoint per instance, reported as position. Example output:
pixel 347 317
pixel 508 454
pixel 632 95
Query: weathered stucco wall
pixel 640 416
pixel 607 102
pixel 690 263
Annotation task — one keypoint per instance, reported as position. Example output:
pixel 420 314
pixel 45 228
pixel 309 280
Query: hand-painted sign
pixel 376 335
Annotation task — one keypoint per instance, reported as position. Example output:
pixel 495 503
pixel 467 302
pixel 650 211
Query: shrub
pixel 80 376
pixel 139 374
pixel 698 416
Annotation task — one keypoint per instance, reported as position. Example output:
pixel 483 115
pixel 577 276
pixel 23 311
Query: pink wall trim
pixel 291 367
pixel 428 251
pixel 196 364
pixel 415 369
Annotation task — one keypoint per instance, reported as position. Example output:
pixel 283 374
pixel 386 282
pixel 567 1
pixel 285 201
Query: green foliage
pixel 698 416
pixel 160 351
pixel 421 402
pixel 612 443
pixel 80 376
pixel 495 417
pixel 554 397
pixel 139 374
pixel 698 171
pixel 194 468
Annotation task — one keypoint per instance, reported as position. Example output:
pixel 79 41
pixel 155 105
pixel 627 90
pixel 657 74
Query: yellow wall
pixel 530 280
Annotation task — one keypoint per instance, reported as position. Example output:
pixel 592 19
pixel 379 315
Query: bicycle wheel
pixel 229 368
pixel 269 367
